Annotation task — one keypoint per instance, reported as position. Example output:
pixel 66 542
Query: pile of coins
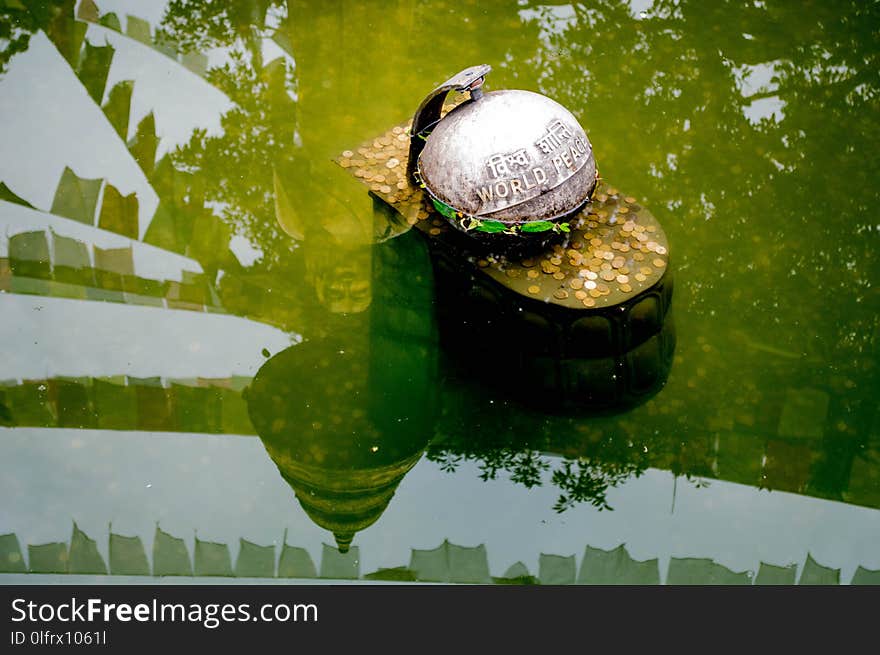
pixel 382 165
pixel 616 249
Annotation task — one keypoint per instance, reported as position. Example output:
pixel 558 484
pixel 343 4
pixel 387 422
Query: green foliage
pixel 258 133
pixel 584 481
pixel 198 25
pixel 491 226
pixel 19 19
pixel 443 208
pixel 536 226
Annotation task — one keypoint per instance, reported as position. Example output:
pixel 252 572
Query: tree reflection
pixel 19 19
pixel 745 127
pixel 202 24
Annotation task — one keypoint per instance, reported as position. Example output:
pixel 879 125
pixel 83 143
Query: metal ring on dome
pixel 468 222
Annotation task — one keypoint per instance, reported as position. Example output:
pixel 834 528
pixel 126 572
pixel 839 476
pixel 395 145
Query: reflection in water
pixel 447 563
pixel 774 381
pixel 334 242
pixel 345 417
pixel 340 444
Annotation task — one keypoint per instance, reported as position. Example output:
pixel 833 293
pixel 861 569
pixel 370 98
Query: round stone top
pixel 510 156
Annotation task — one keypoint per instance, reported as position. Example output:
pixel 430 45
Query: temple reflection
pixel 347 415
pixel 447 563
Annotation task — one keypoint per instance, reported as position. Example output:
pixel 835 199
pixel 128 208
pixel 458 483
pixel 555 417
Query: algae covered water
pixel 225 354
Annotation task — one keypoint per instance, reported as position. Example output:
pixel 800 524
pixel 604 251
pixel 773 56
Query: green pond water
pixel 222 359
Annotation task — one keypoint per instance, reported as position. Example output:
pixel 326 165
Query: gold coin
pixel 528 263
pixel 595 293
pixel 640 277
pixel 607 276
pixel 385 188
pixel 623 270
pixel 561 294
pixel 345 163
pixel 612 191
pixel 434 231
pixel 482 263
pixel 638 256
pixel 512 272
pixel 601 197
pixel 589 302
pixel 401 185
pixel 591 275
pixel 576 283
pixel 630 199
pixel 622 210
pixel 605 266
pixel 651 228
pixel 559 275
pixel 580 295
pixel 589 284
pixel 596 242
pixel 391 163
pixel 646 270
pixel 617 262
pixel 639 228
pixel 622 279
pixel 608 256
pixel 624 248
pixel 533 274
pixel 602 288
pixel 534 289
pixel 556 261
pixel 625 288
pixel 659 263
pixel 348 154
pixel 660 250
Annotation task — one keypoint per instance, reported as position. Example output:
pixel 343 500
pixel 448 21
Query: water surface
pixel 214 343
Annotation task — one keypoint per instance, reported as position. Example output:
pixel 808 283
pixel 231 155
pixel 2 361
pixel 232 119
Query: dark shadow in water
pixel 347 415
